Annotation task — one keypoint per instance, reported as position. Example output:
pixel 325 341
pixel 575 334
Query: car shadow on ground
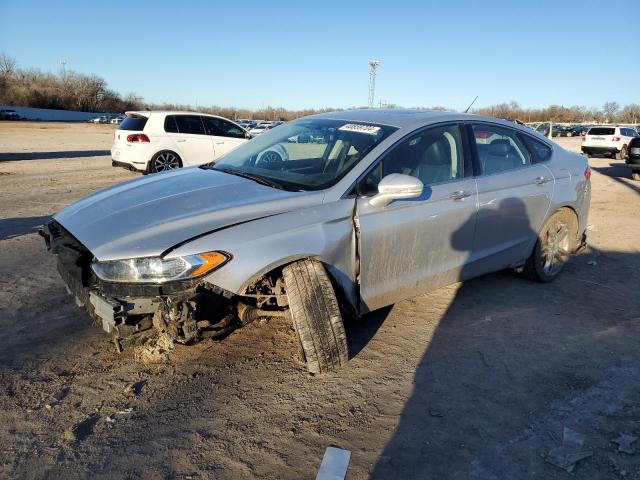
pixel 14 227
pixel 621 174
pixel 8 157
pixel 513 362
pixel 360 331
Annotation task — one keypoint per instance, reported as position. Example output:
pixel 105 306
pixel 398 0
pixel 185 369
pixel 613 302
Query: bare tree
pixel 610 110
pixel 8 65
pixel 631 113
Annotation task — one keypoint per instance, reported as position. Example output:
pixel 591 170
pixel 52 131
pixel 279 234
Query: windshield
pixel 307 154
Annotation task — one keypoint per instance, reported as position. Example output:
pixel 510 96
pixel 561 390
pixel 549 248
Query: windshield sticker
pixel 353 127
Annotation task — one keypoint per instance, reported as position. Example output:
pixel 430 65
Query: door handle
pixel 219 143
pixel 180 140
pixel 460 195
pixel 541 180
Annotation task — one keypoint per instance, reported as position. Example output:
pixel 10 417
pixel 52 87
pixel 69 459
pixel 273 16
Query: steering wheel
pixel 270 160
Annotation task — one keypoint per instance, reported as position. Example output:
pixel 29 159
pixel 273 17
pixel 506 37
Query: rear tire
pixel 556 241
pixel 316 316
pixel 623 153
pixel 635 175
pixel 164 161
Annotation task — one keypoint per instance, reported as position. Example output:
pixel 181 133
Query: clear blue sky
pixel 299 54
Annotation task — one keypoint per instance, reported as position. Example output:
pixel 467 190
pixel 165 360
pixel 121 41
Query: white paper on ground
pixel 334 464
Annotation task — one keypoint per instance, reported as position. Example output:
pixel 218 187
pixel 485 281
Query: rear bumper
pixel 132 158
pixel 583 243
pixel 128 166
pixel 594 149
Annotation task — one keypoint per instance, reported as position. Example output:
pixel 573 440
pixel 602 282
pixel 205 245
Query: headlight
pixel 159 270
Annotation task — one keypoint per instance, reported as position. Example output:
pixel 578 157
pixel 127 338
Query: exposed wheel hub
pixel 555 251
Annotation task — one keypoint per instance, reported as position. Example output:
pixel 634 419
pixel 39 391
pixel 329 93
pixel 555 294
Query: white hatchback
pixel 155 141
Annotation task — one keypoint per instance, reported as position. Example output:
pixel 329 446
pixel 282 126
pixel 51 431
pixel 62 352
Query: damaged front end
pixel 182 311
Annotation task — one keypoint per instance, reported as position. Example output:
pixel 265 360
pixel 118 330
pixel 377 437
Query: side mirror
pixel 247 135
pixel 396 186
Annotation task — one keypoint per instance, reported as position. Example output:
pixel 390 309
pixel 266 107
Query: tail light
pixel 615 139
pixel 137 138
pixel 587 173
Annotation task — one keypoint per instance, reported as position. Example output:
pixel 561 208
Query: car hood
pixel 149 216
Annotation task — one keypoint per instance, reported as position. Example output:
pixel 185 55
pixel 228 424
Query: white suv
pixel 608 140
pixel 157 141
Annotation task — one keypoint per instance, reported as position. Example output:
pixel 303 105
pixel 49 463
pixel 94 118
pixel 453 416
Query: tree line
pixel 610 112
pixel 71 90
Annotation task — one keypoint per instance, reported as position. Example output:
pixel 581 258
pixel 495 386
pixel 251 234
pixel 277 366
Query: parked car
pixel 633 158
pixel 560 130
pixel 9 114
pixel 258 129
pixel 100 119
pixel 608 140
pixel 245 125
pixel 155 141
pixel 577 130
pixel 116 119
pixel 394 204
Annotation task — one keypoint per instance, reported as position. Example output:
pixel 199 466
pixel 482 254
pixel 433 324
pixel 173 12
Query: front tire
pixel 316 316
pixel 635 175
pixel 164 161
pixel 557 240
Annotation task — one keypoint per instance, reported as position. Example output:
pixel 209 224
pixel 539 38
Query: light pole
pixel 373 68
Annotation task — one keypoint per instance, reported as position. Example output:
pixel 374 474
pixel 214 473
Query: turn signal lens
pixel 210 261
pixel 587 173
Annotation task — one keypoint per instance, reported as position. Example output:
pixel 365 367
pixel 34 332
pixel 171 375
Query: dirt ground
pixel 474 381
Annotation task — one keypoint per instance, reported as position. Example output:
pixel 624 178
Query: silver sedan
pixel 382 206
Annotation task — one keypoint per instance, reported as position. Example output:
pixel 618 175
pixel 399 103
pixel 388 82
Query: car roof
pixel 147 113
pixel 404 117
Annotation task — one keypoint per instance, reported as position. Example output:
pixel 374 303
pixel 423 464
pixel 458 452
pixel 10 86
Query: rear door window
pixel 599 131
pixel 499 149
pixel 540 151
pixel 222 128
pixel 135 124
pixel 189 124
pixel 170 125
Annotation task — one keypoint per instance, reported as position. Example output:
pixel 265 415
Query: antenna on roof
pixel 471 104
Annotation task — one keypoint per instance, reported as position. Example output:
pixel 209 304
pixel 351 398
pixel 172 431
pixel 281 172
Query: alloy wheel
pixel 166 161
